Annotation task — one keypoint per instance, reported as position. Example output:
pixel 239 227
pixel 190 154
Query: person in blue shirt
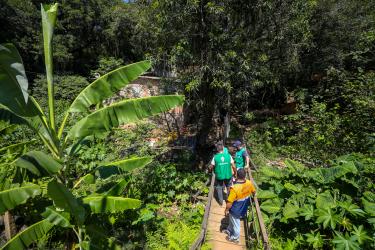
pixel 237 204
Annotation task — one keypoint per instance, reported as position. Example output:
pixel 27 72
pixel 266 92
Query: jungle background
pixel 296 77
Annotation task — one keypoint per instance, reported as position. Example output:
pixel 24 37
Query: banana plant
pixel 17 106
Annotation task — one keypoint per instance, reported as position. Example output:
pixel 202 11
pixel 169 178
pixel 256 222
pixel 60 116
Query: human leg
pixel 219 191
pixel 234 227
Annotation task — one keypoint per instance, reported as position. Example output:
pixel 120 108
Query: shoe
pixel 232 240
pixel 226 231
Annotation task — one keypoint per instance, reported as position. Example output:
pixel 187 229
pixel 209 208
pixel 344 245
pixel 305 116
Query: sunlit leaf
pixel 14 83
pixel 32 233
pixel 271 206
pixel 39 163
pixel 107 85
pixel 346 242
pixel 127 111
pixel 10 198
pixel 56 217
pixel 110 204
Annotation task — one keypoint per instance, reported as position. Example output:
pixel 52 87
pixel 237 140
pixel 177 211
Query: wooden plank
pixel 220 245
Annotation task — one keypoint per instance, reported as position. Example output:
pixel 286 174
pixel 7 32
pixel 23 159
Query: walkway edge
pixel 198 242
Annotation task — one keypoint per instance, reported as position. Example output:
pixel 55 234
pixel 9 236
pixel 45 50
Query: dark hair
pixel 219 146
pixel 241 174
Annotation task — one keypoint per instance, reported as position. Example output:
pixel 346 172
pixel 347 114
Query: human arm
pixel 231 198
pixel 227 208
pixel 212 165
pixel 247 159
pixel 234 169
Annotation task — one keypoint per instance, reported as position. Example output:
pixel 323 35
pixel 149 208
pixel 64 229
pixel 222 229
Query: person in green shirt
pixel 241 157
pixel 223 165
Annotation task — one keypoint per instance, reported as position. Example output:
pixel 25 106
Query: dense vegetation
pixel 297 75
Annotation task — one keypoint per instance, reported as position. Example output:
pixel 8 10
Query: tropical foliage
pixel 68 210
pixel 320 207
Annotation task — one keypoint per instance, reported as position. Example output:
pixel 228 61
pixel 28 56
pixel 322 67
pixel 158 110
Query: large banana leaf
pixel 64 199
pixel 108 85
pixel 39 163
pixel 130 164
pixel 114 168
pixel 10 117
pixel 13 82
pixel 123 112
pixel 13 197
pixel 110 204
pixel 105 87
pixel 24 238
pixel 57 218
pixel 49 16
pixel 86 179
pixel 117 189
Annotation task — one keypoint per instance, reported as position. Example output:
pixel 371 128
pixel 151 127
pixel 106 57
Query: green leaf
pixel 290 210
pixel 87 179
pixel 108 85
pixel 294 166
pixel 360 234
pixel 369 207
pixel 13 197
pixel 110 204
pixel 315 240
pixel 14 83
pixel 345 242
pixel 272 172
pixel 49 16
pixel 133 110
pixel 39 163
pixel 130 164
pixel 291 187
pixel 324 200
pixel 271 206
pixel 327 217
pixel 32 233
pixel 371 221
pixel 64 199
pixel 307 211
pixel 57 218
pixel 290 245
pixel 117 189
pixel 329 175
pixel 369 196
pixel 266 194
pixel 351 208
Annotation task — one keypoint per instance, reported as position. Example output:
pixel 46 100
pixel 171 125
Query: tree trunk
pixel 206 122
pixel 10 226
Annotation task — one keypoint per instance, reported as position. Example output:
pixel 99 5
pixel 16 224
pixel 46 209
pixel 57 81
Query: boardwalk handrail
pixel 200 239
pixel 266 243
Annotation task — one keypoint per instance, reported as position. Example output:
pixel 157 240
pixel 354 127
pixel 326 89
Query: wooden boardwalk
pixel 216 223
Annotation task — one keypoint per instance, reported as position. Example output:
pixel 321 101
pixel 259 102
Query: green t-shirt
pixel 222 163
pixel 239 158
